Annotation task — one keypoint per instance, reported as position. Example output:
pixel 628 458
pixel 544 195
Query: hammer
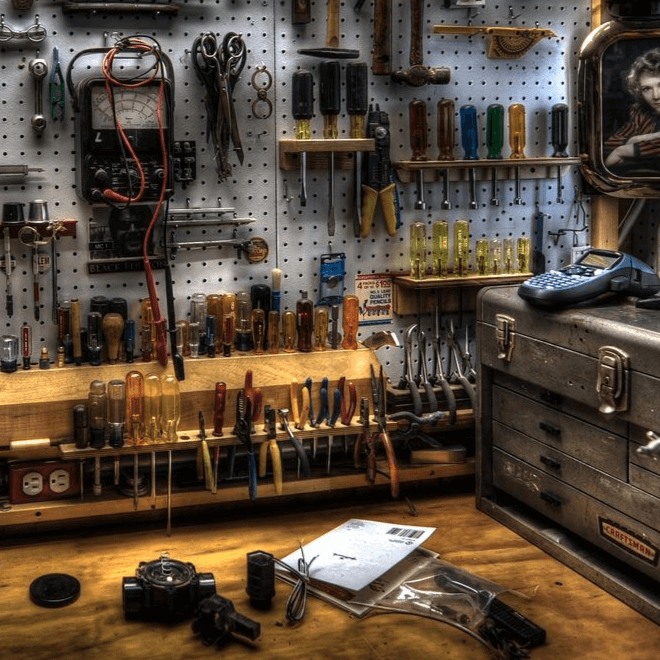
pixel 418 75
pixel 331 49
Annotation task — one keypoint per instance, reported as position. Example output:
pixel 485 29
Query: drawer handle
pixel 550 398
pixel 550 462
pixel 552 500
pixel 552 430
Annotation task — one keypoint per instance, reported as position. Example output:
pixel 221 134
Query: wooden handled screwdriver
pixel 330 105
pixel 303 111
pixel 517 137
pixel 418 139
pixel 357 105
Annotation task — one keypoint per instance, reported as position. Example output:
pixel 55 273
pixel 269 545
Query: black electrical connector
pixel 216 620
pixel 260 579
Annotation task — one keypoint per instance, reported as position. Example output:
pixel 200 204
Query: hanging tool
pixel 418 250
pixel 494 142
pixel 408 379
pixel 330 106
pixel 38 69
pixel 301 12
pixel 56 85
pixel 350 321
pixel 418 75
pixel 365 438
pixel 504 42
pixel 517 138
pixel 538 258
pixel 271 446
pixel 357 106
pixel 380 416
pixel 12 216
pixel 378 179
pixel 424 380
pixel 459 374
pixel 331 49
pixel 207 467
pixel 418 140
pixel 470 141
pixel 461 248
pixel 381 62
pixel 303 110
pixel 446 128
pixel 440 248
pixel 243 430
pixel 303 461
pixel 559 140
pixel 438 375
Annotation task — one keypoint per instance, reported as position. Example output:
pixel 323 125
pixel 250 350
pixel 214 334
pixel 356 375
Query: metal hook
pixel 287 197
pixel 513 17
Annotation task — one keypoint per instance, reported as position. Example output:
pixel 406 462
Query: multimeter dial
pixel 135 109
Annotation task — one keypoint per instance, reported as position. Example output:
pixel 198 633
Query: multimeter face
pixel 135 109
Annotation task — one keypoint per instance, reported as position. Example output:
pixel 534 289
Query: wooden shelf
pixel 318 151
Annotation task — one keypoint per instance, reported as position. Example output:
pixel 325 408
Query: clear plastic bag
pixel 441 591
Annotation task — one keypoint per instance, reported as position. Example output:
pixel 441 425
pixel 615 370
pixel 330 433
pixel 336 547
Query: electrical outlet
pixel 38 482
pixel 59 481
pixel 33 483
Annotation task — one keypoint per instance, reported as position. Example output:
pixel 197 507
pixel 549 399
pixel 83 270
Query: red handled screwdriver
pixel 446 129
pixel 418 139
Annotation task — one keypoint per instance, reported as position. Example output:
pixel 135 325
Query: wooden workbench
pixel 582 621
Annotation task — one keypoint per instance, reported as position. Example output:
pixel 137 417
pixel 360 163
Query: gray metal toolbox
pixel 566 400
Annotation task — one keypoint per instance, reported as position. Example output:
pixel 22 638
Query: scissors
pixel 218 66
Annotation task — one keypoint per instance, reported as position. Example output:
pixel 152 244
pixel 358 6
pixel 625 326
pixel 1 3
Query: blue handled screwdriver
pixel 470 141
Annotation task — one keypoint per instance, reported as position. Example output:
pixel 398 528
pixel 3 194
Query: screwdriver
pixel 170 410
pixel 153 392
pixel 357 106
pixel 417 250
pixel 350 320
pixel 494 142
pixel 461 247
pixel 469 139
pixel 559 140
pixel 446 128
pixel 303 111
pixel 330 105
pixel 440 248
pixel 418 137
pixel 517 140
pixel 134 407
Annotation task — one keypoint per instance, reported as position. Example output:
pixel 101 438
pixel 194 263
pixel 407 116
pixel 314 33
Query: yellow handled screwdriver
pixel 517 137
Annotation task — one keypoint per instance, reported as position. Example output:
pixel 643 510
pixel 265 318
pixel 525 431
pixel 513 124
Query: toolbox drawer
pixel 591 444
pixel 620 535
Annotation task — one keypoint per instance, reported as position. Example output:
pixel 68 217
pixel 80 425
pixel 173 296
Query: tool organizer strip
pixel 260 189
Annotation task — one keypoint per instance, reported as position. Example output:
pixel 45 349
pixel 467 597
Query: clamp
pixel 262 107
pixel 378 181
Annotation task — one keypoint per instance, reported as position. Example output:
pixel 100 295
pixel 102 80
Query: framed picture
pixel 619 110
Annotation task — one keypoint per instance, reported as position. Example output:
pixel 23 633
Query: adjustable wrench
pixel 38 70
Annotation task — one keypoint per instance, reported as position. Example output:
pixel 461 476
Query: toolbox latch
pixel 505 335
pixel 613 380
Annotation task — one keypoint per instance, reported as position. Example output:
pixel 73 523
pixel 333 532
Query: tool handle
pixel 357 102
pixel 446 129
pixel 560 130
pixel 416 23
pixel 302 95
pixel 381 63
pixel 332 24
pixel 418 129
pixel 495 130
pixel 350 321
pixel 219 400
pixel 330 88
pixel 517 130
pixel 301 12
pixel 469 132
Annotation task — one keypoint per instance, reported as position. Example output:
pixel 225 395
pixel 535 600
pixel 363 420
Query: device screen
pixel 598 259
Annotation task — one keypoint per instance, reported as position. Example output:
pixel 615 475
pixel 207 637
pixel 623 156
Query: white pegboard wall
pixel 259 189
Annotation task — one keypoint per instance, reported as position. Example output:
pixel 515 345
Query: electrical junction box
pixel 39 482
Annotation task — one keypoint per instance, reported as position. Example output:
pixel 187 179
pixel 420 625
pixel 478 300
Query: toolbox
pixel 567 400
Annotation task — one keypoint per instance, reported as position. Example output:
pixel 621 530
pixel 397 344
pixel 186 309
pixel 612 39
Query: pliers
pixel 377 176
pixel 303 461
pixel 365 438
pixel 383 437
pixel 408 379
pixel 438 377
pixel 459 374
pixel 272 447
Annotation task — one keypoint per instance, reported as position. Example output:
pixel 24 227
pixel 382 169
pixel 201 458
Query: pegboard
pixel 259 189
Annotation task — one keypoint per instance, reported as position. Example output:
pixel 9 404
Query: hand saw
pixel 505 42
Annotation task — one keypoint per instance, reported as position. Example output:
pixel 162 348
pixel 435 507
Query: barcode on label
pixel 407 533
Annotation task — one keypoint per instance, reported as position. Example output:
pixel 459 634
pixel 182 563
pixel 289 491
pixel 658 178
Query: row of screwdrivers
pixel 218 324
pixel 494 256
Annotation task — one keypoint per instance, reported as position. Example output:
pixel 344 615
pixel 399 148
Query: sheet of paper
pixel 358 552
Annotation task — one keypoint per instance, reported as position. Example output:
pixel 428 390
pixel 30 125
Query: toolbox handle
pixel 550 398
pixel 552 500
pixel 548 428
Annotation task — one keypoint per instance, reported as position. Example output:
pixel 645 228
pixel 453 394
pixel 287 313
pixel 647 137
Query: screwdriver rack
pixel 45 399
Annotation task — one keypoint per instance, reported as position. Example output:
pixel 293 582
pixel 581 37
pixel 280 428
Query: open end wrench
pixel 38 69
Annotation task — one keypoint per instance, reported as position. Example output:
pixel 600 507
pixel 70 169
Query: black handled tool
pixel 494 142
pixel 303 111
pixel 357 105
pixel 330 105
pixel 559 140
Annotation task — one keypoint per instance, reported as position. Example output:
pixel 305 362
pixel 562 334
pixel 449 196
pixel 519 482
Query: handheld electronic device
pixel 596 272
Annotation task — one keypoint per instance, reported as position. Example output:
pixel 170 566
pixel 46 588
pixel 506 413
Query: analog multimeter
pixel 104 163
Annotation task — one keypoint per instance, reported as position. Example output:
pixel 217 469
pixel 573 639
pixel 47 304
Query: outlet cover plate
pixel 60 479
